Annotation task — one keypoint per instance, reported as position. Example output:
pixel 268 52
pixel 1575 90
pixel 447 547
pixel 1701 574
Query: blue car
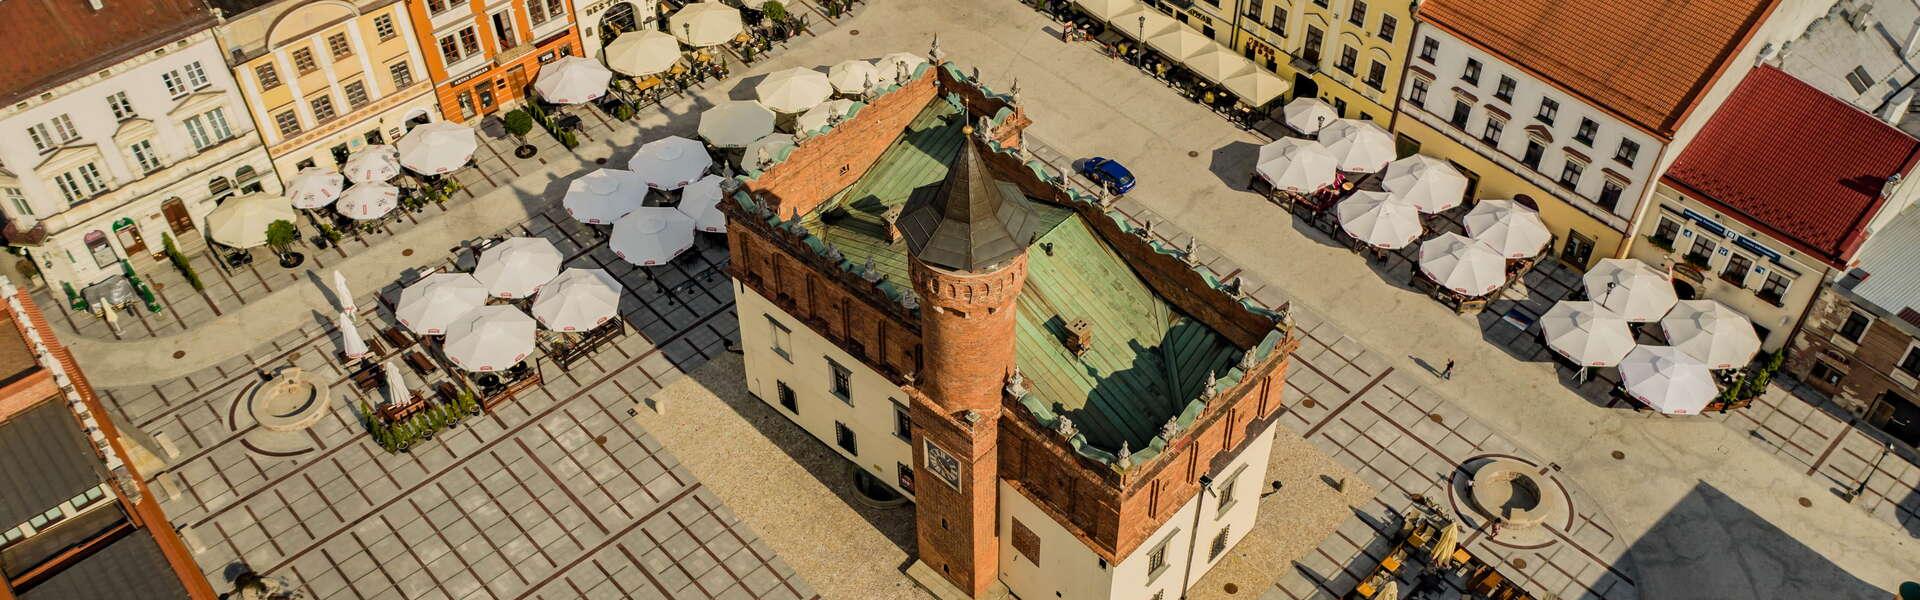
pixel 1114 176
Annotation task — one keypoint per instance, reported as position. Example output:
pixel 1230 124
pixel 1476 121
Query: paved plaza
pixel 575 490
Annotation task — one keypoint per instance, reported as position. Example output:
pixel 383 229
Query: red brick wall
pixel 844 309
pixel 822 166
pixel 956 529
pixel 977 104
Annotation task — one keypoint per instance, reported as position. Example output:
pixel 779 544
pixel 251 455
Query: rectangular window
pixel 1492 134
pixel 1311 49
pixel 143 155
pixel 1548 110
pixel 503 32
pixel 470 41
pixel 1702 251
pixel 1825 373
pixel 1461 111
pixel 1627 152
pixel 1157 558
pixel 1610 194
pixel 402 76
pixel 176 86
pixel 558 9
pixel 1774 290
pixel 196 76
pixel 1417 94
pixel 383 27
pixel 1578 249
pixel 208 128
pixel 1855 327
pixel 839 381
pixel 18 199
pixel 787 399
pixel 1570 174
pixel 1219 543
pixel 1225 491
pixel 1532 156
pixel 1584 135
pixel 1859 79
pixel 1388 27
pixel 1911 362
pixel 303 61
pixel 1504 90
pixel 1348 56
pixel 450 49
pixel 356 94
pixel 1735 271
pixel 338 47
pixel 1472 73
pixel 1359 14
pixel 1253 9
pixel 843 437
pixel 322 108
pixel 81 183
pixel 1279 20
pixel 782 339
pixel 1666 233
pixel 53 133
pixel 902 421
pixel 1428 48
pixel 268 76
pixel 288 122
pixel 122 108
pixel 536 12
pixel 1377 76
pixel 438 6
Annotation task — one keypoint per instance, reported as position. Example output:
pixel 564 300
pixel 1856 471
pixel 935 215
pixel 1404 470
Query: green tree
pixel 519 123
pixel 180 262
pixel 280 235
pixel 775 10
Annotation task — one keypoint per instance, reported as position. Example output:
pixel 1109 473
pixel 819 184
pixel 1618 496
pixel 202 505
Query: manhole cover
pixel 157 286
pixel 1805 503
pixel 1518 563
pixel 601 440
pixel 1309 403
pixel 600 161
pixel 407 252
pixel 1231 588
pixel 179 353
pixel 1193 154
pixel 1435 417
pixel 854 32
pixel 1618 455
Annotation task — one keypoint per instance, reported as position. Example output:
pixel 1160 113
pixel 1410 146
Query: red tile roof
pixel 1645 61
pixel 1800 165
pixel 68 38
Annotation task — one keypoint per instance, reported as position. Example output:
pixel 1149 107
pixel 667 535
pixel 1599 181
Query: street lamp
pixel 1140 47
pixel 1862 488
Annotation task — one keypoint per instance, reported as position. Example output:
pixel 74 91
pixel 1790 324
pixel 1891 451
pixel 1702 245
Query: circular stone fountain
pixel 291 401
pixel 1509 490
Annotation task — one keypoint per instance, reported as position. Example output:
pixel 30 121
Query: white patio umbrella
pixel 1218 64
pixel 1668 380
pixel 794 90
pixel 1359 145
pixel 1462 264
pixel 854 76
pixel 603 196
pixel 1257 87
pixel 396 383
pixel 651 235
pixel 670 163
pixel 1308 115
pixel 489 338
pixel 735 123
pixel 1429 183
pixel 766 151
pixel 1180 43
pixel 378 162
pixel 1509 227
pixel 643 53
pixel 1379 220
pixel 703 24
pixel 1712 332
pixel 819 117
pixel 898 67
pixel 517 267
pixel 366 201
pixel 351 344
pixel 315 187
pixel 427 306
pixel 242 222
pixel 1636 290
pixel 1586 334
pixel 341 292
pixel 572 80
pixel 437 147
pixel 1108 10
pixel 578 300
pixel 701 201
pixel 1297 165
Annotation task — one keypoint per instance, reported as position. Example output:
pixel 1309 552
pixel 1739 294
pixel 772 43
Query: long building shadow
pixel 1709 546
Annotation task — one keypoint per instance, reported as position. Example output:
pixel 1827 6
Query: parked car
pixel 1109 173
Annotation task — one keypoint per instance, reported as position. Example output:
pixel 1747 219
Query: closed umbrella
pixel 1430 184
pixel 652 235
pixel 578 300
pixel 898 68
pixel 1297 165
pixel 603 196
pixel 1379 220
pixel 1444 544
pixel 1180 43
pixel 1586 334
pixel 1712 332
pixel 701 201
pixel 735 123
pixel 366 201
pixel 433 302
pixel 242 222
pixel 489 338
pixel 572 80
pixel 1460 263
pixel 670 163
pixel 351 344
pixel 1308 115
pixel 767 151
pixel 1361 146
pixel 396 383
pixel 437 147
pixel 854 77
pixel 643 53
pixel 794 90
pixel 1509 227
pixel 822 116
pixel 703 24
pixel 341 292
pixel 1668 380
pixel 1634 289
pixel 518 266
pixel 315 187
pixel 378 162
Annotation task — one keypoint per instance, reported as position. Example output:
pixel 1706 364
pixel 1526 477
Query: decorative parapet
pixel 854 275
pixel 77 399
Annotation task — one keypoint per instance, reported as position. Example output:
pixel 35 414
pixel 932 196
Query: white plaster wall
pixel 870 414
pixel 1067 567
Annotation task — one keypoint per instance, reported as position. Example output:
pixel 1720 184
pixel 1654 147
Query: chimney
pixel 1079 336
pixel 892 219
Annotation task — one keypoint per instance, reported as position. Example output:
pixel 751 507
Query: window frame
pixel 303 61
pixel 845 438
pixel 1429 48
pixel 1549 111
pixel 1774 280
pixel 1910 361
pixel 1866 322
pixel 839 381
pixel 1471 73
pixel 384 29
pixel 1157 557
pixel 785 395
pixel 1503 90
pixel 1627 153
pixel 1665 224
pixel 348 90
pixel 288 122
pixel 1726 269
pixel 196 75
pixel 143 154
pixel 1349 57
pixel 339 47
pixel 1588 130
pixel 1493 130
pixel 121 106
pixel 902 421
pixel 1357 14
pixel 1417 91
pixel 401 72
pixel 267 75
pixel 323 101
pixel 1389 27
pixel 1610 186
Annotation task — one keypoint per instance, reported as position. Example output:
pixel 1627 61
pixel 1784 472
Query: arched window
pixel 220 188
pixel 248 179
pixel 101 250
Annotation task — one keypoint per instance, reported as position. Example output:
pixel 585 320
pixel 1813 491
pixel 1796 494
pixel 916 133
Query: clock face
pixel 943 465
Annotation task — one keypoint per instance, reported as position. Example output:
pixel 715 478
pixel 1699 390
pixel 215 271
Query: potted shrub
pixel 280 237
pixel 519 123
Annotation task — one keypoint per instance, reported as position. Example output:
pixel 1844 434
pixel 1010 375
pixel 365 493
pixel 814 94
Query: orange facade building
pixel 483 57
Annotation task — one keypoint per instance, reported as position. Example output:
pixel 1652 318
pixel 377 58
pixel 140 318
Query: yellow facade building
pixel 323 79
pixel 1349 53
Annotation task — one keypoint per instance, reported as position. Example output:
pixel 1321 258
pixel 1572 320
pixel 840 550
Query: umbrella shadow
pixel 744 88
pixel 1233 164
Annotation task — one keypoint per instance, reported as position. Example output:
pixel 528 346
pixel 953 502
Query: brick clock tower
pixel 967 244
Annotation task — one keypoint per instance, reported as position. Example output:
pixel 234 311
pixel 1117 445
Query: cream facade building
pixel 1349 53
pixel 323 79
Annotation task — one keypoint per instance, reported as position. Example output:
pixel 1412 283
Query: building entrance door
pixel 177 218
pixel 130 240
pixel 1903 421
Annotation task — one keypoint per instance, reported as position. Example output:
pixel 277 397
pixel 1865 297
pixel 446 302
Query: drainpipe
pixel 1646 198
pixel 1233 40
pixel 1406 63
pixel 1193 540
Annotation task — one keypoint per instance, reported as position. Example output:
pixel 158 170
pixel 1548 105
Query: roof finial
pixel 1013 93
pixel 1170 428
pixel 1125 455
pixel 1187 254
pixel 1016 385
pixel 909 301
pixel 870 271
pixel 1145 230
pixel 933 50
pixel 1064 426
pixel 1247 360
pixel 1210 387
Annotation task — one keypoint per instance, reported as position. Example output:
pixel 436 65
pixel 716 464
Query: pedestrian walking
pixel 1447 373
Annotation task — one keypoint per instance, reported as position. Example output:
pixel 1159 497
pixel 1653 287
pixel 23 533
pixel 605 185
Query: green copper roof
pixel 1147 360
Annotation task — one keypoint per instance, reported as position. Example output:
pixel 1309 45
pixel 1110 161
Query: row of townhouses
pixel 130 120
